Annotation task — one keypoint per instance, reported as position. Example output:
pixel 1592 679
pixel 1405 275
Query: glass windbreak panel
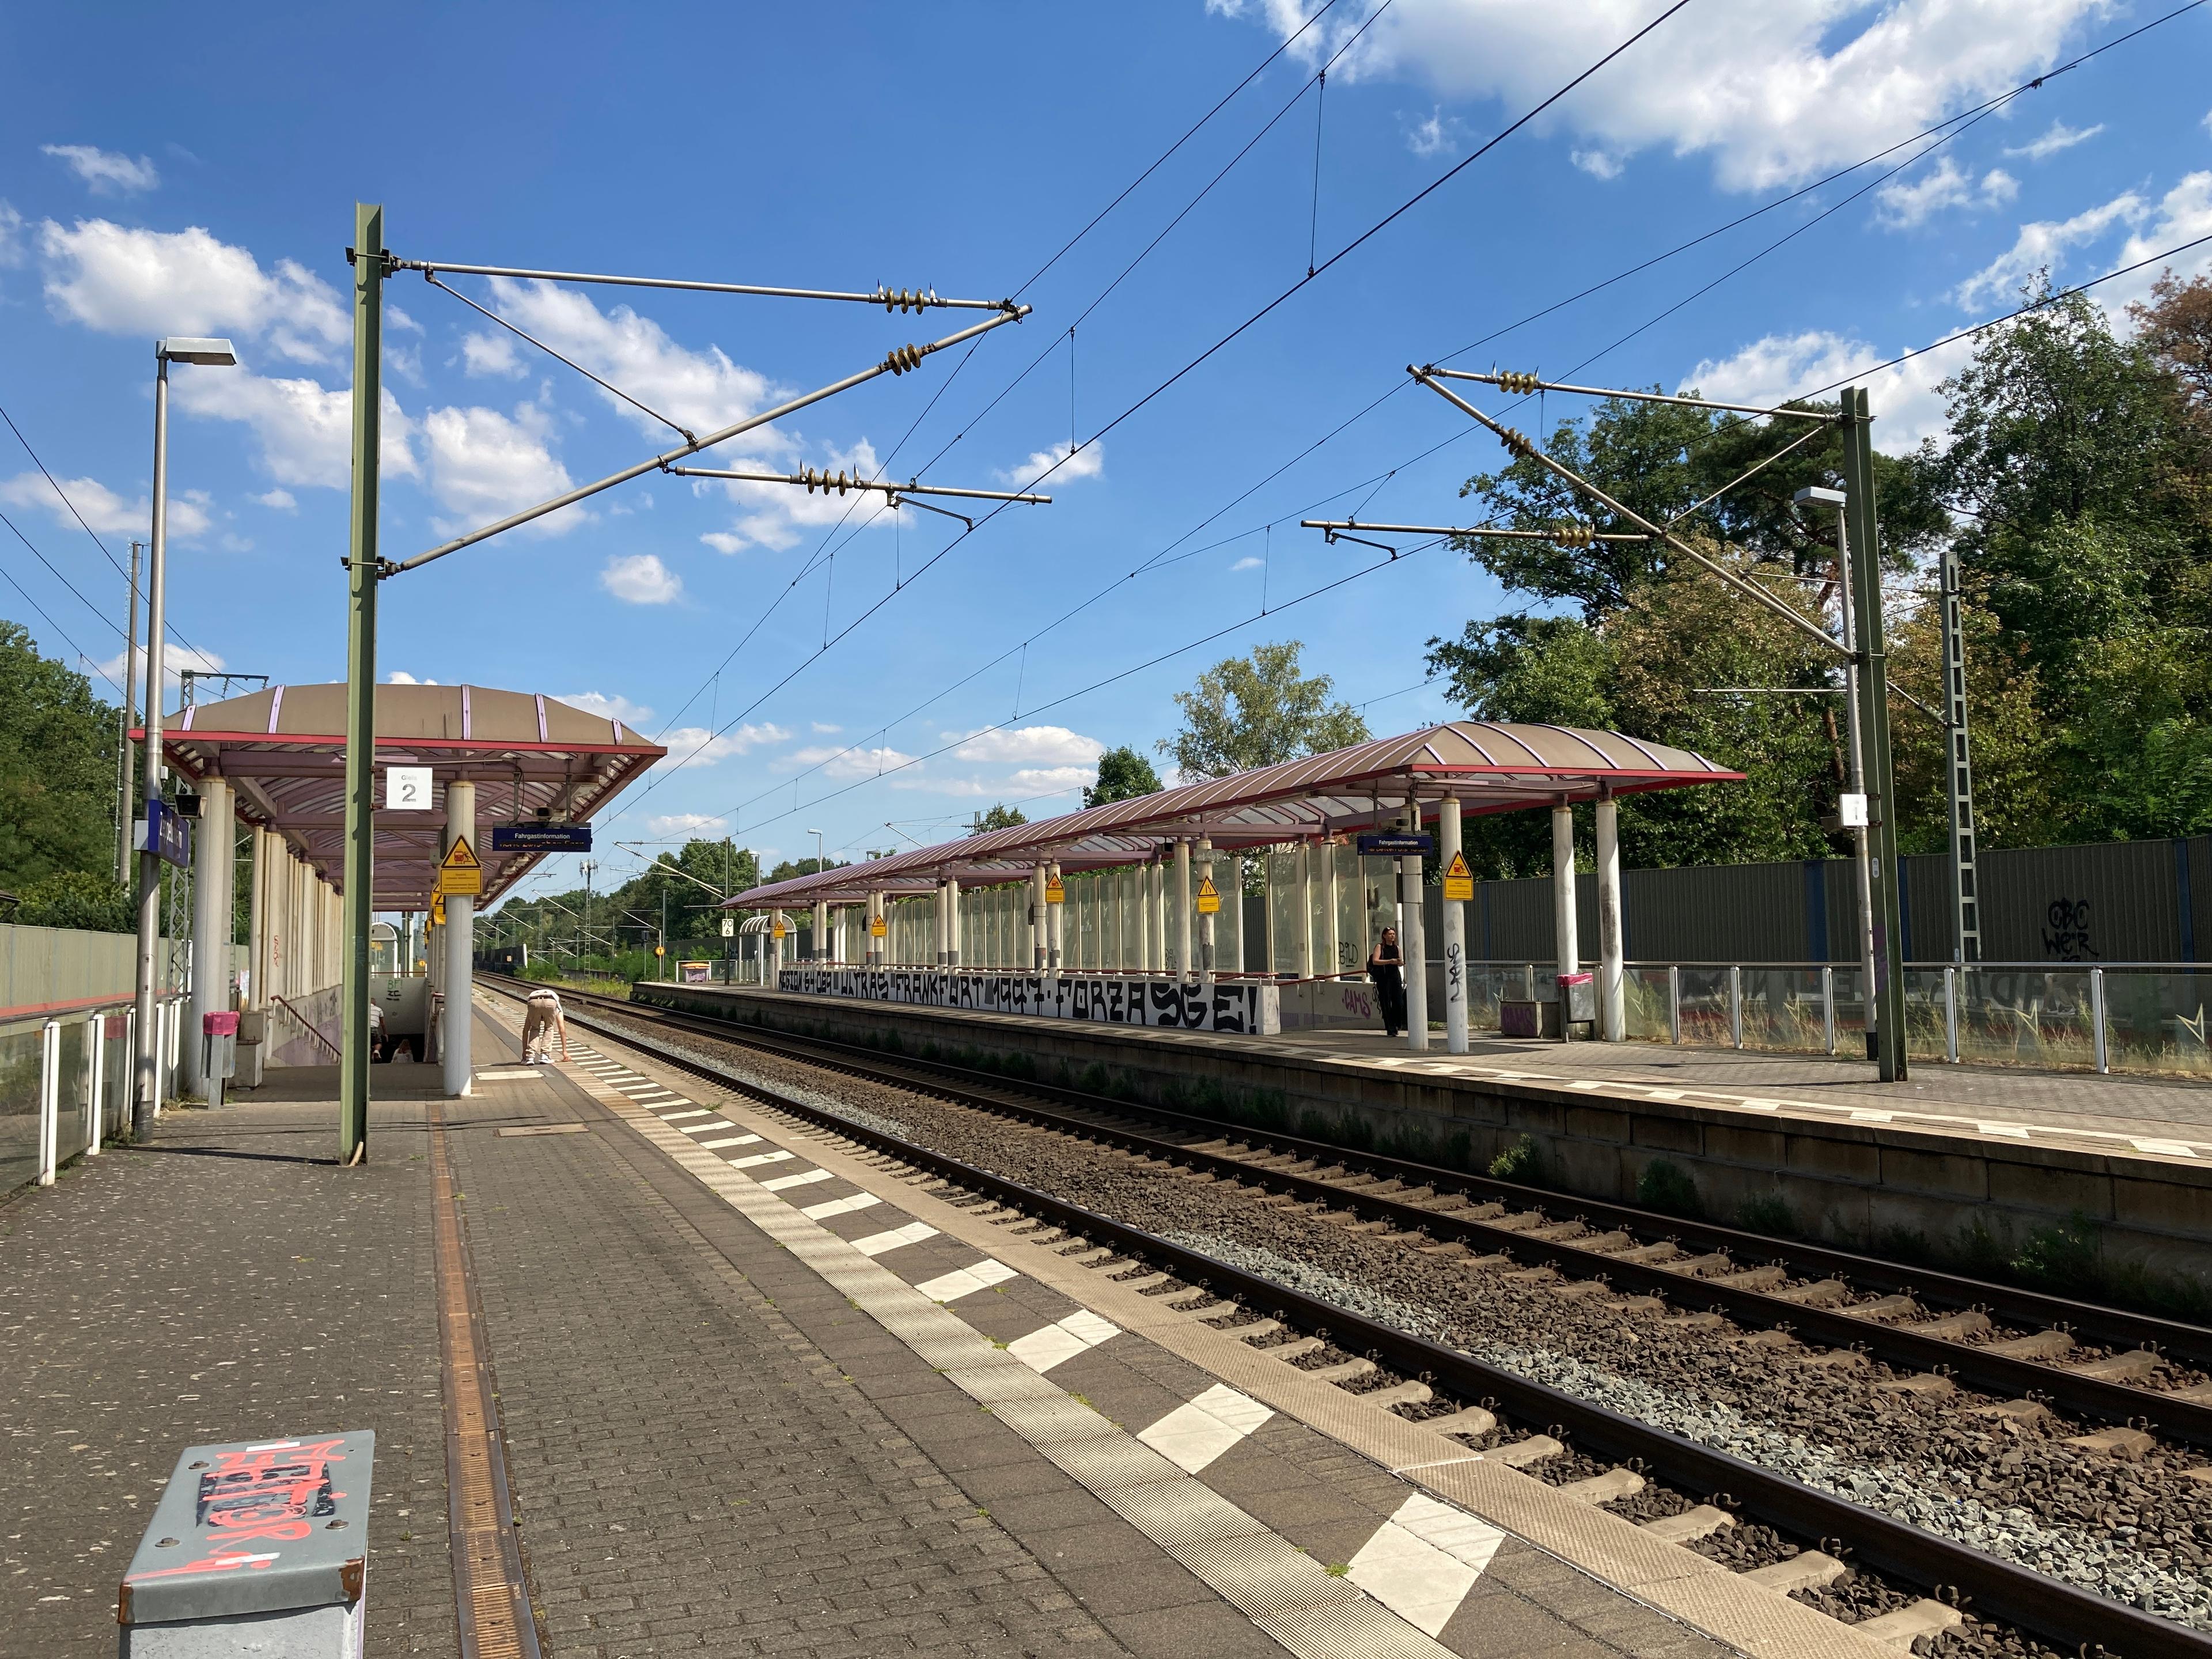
pixel 1488 984
pixel 19 1105
pixel 1282 870
pixel 73 1126
pixel 2154 1022
pixel 1706 1005
pixel 2024 1017
pixel 1643 999
pixel 1926 1018
pixel 115 1079
pixel 1782 1009
pixel 1376 890
pixel 1229 925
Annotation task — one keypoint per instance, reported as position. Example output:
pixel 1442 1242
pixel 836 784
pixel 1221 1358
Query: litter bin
pixel 255 1547
pixel 218 1038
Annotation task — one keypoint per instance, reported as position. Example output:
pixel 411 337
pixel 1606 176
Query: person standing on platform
pixel 542 1021
pixel 1386 967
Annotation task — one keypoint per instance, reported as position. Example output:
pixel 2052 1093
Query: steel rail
pixel 2104 1325
pixel 2006 1376
pixel 2043 1606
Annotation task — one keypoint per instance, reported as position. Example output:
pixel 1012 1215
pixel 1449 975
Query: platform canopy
pixel 1488 767
pixel 283 750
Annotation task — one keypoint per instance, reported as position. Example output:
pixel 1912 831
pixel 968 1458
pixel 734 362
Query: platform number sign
pixel 407 788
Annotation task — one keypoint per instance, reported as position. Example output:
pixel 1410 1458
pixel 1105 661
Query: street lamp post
pixel 214 354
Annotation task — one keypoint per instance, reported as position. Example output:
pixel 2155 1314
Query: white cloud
pixel 2042 245
pixel 394 317
pixel 305 430
pixel 484 466
pixel 1436 134
pixel 1906 405
pixel 2060 136
pixel 11 236
pixel 2184 215
pixel 487 353
pixel 703 390
pixel 1088 462
pixel 106 512
pixel 1773 94
pixel 1058 780
pixel 640 579
pixel 1053 744
pixel 824 728
pixel 1598 163
pixel 724 541
pixel 104 172
pixel 860 762
pixel 1905 203
pixel 401 676
pixel 700 745
pixel 278 500
pixel 683 824
pixel 617 708
pixel 175 658
pixel 1250 561
pixel 123 280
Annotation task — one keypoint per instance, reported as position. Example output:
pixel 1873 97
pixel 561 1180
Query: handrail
pixel 313 1031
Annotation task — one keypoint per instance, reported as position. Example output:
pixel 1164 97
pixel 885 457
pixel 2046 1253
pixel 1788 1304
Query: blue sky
pixel 173 171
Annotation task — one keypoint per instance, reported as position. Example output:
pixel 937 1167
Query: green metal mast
pixel 369 259
pixel 1874 728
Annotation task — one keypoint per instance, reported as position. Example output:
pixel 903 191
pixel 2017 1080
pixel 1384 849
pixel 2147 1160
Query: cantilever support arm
pixel 898 362
pixel 1519 445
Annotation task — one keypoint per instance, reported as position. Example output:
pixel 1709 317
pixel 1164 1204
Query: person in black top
pixel 1386 967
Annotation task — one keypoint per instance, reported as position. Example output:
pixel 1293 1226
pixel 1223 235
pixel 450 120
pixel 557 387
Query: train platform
pixel 1849 1158
pixel 754 1390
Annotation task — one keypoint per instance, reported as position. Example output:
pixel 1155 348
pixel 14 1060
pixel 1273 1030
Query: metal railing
pixel 65 1083
pixel 2138 1019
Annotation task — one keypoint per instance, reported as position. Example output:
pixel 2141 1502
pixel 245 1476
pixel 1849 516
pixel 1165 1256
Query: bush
pixel 1522 1162
pixel 1667 1188
pixel 77 898
pixel 1771 1214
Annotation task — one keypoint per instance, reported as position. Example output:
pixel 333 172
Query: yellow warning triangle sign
pixel 461 857
pixel 1209 897
pixel 1207 889
pixel 1458 880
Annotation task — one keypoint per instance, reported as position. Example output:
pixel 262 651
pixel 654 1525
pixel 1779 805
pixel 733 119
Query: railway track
pixel 1439 1210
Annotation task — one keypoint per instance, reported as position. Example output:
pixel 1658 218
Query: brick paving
pixel 226 1281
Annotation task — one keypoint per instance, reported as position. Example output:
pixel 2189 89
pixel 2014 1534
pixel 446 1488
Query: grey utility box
pixel 256 1549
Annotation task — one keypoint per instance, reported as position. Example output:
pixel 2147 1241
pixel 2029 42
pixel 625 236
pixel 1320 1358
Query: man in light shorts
pixel 541 1022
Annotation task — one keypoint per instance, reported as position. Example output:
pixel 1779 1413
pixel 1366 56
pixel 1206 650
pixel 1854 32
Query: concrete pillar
pixel 1413 940
pixel 211 926
pixel 775 920
pixel 1055 927
pixel 1612 988
pixel 460 945
pixel 1040 924
pixel 1206 923
pixel 1455 943
pixel 1305 961
pixel 1328 945
pixel 952 924
pixel 1563 888
pixel 1183 957
pixel 1157 899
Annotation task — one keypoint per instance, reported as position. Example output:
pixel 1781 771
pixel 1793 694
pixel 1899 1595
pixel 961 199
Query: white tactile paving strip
pixel 1293 1598
pixel 1411 1574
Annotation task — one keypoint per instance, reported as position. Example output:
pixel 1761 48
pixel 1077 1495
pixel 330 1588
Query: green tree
pixel 56 768
pixel 1000 817
pixel 1123 775
pixel 1247 712
pixel 87 899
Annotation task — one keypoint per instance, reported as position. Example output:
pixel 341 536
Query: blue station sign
pixel 165 835
pixel 541 838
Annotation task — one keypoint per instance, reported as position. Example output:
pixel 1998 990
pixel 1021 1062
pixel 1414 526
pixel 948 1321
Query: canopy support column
pixel 1611 989
pixel 1567 948
pixel 1055 927
pixel 951 924
pixel 1205 962
pixel 1304 887
pixel 1182 962
pixel 1454 941
pixel 211 928
pixel 1040 925
pixel 1327 945
pixel 1412 939
pixel 460 946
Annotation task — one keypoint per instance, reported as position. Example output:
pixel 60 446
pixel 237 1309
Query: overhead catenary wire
pixel 1269 308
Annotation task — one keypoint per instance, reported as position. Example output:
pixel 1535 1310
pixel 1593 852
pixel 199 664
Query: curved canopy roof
pixel 283 748
pixel 1487 767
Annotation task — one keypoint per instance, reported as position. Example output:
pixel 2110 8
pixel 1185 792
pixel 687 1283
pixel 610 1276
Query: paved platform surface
pixel 747 1410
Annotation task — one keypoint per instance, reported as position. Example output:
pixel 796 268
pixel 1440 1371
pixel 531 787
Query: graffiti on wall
pixel 1242 1007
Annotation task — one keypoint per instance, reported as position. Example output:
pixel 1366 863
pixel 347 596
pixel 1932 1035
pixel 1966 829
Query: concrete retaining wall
pixel 1875 1186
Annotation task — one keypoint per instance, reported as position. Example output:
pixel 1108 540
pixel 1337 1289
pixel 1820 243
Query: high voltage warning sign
pixel 1209 897
pixel 1458 880
pixel 877 928
pixel 459 874
pixel 1055 892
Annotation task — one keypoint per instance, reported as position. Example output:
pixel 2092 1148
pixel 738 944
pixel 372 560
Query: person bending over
pixel 542 1022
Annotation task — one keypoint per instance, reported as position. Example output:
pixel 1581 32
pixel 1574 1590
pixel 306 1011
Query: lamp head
pixel 1816 495
pixel 215 354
